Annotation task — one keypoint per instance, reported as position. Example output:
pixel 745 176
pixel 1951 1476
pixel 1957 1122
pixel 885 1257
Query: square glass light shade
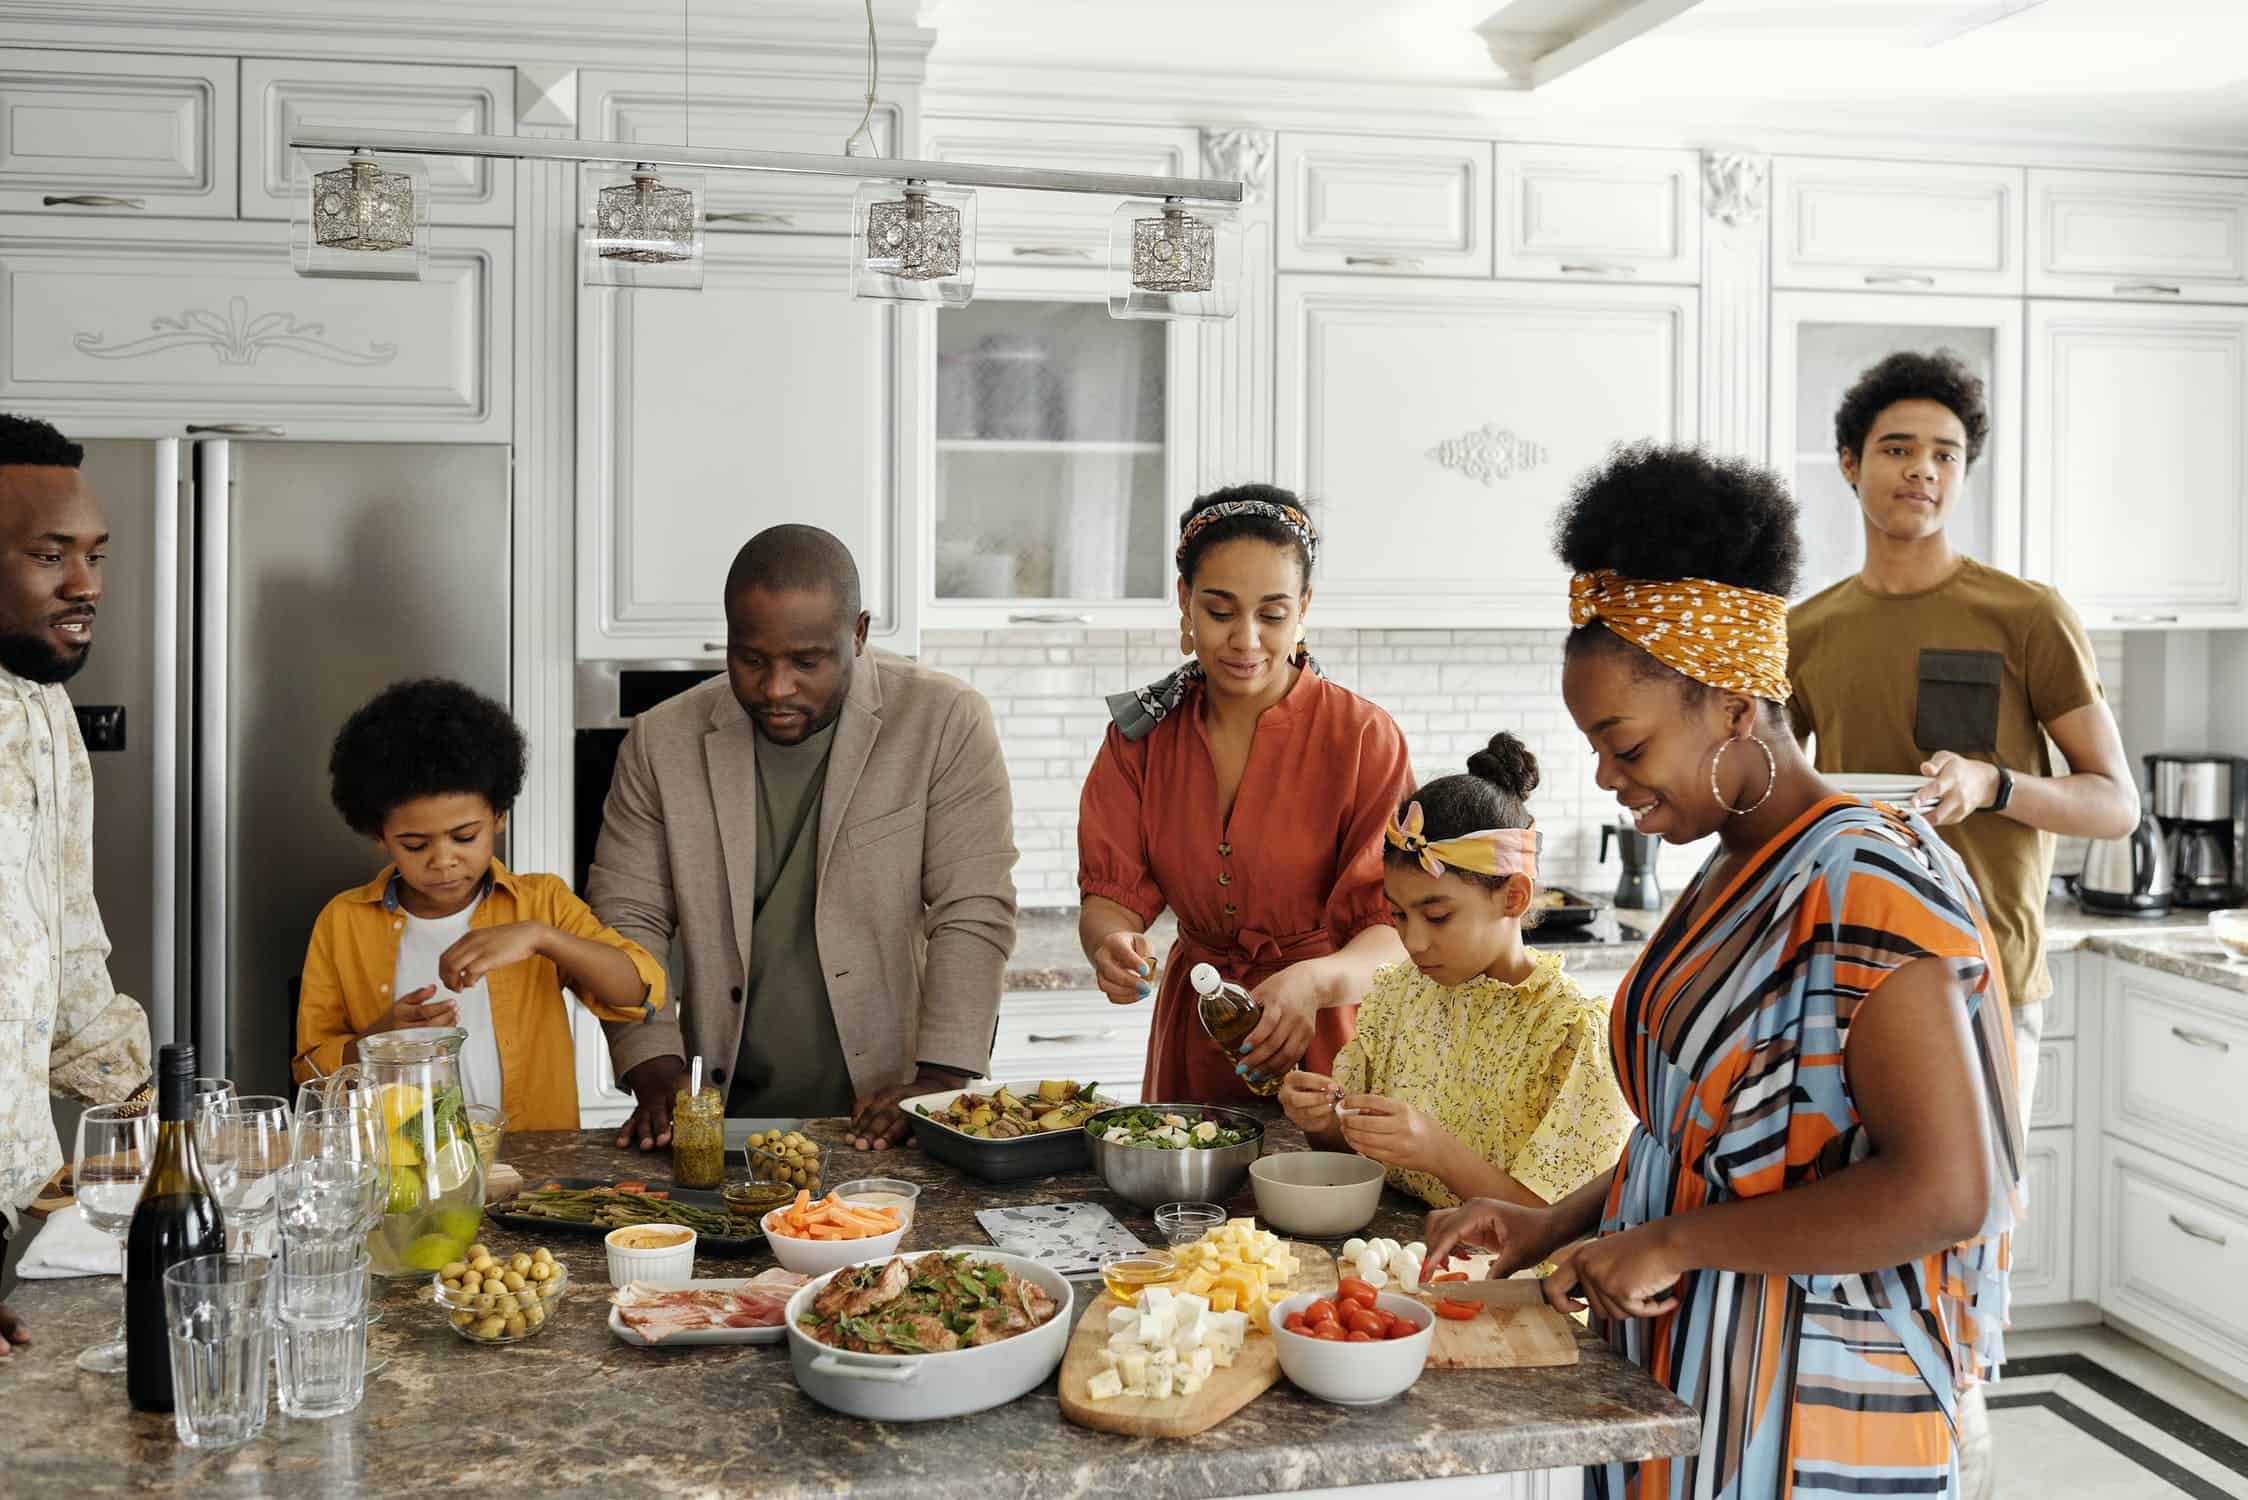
pixel 356 215
pixel 1173 260
pixel 641 226
pixel 913 243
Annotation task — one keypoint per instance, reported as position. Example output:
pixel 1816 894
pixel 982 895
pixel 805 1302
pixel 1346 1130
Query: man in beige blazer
pixel 828 834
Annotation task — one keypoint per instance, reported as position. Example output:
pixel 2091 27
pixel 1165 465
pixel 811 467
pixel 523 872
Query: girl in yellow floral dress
pixel 1479 1069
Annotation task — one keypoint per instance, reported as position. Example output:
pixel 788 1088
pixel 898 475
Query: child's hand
pixel 1309 1099
pixel 1394 1133
pixel 416 1009
pixel 479 953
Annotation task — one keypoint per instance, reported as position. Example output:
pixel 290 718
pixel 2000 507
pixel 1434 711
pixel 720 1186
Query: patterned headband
pixel 1298 524
pixel 1494 851
pixel 1726 637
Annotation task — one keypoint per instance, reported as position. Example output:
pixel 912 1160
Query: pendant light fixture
pixel 642 228
pixel 1170 260
pixel 353 215
pixel 911 242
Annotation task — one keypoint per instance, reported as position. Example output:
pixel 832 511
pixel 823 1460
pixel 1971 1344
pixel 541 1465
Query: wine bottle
pixel 1229 1013
pixel 176 1219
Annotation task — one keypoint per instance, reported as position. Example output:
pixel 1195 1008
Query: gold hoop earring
pixel 1186 636
pixel 1771 775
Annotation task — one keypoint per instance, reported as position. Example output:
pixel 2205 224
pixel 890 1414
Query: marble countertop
pixel 575 1412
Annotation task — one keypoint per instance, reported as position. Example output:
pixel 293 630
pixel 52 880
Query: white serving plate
pixel 772 1335
pixel 1899 791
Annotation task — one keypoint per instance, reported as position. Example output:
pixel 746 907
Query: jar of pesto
pixel 698 1139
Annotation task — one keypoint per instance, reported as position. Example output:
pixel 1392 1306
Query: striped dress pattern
pixel 1729 1037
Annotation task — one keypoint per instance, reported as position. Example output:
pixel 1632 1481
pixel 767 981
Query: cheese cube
pixel 1156 1326
pixel 1187 1383
pixel 1107 1357
pixel 1163 1356
pixel 1199 1364
pixel 1229 1329
pixel 1188 1335
pixel 1156 1297
pixel 1190 1304
pixel 1120 1318
pixel 1200 1282
pixel 1124 1341
pixel 1133 1367
pixel 1105 1386
pixel 1162 1381
pixel 1222 1299
pixel 1241 1223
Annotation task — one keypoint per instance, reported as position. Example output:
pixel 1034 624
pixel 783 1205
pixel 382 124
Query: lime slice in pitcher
pixel 451 1166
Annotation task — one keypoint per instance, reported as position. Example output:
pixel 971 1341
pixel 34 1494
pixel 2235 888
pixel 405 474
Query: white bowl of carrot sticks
pixel 815 1236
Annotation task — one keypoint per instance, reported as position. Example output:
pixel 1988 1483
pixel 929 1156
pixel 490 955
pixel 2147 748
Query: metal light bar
pixel 951 173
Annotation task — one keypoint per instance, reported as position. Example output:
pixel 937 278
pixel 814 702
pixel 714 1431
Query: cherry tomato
pixel 1358 1336
pixel 1351 1289
pixel 1321 1312
pixel 1449 1276
pixel 1458 1311
pixel 1362 1320
pixel 1329 1332
pixel 1396 1327
pixel 1296 1324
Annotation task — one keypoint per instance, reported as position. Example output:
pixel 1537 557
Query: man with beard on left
pixel 63 1026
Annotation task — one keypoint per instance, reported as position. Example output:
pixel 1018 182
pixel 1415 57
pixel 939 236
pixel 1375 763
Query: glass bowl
pixel 487 1123
pixel 1184 1223
pixel 469 1313
pixel 889 1192
pixel 801 1162
pixel 1127 1273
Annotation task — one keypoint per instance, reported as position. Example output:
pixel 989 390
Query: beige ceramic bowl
pixel 1320 1195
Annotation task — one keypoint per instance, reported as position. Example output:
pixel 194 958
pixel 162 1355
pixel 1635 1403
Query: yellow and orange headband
pixel 1492 851
pixel 1721 635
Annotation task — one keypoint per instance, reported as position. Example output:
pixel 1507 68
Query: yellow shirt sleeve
pixel 1582 1130
pixel 560 908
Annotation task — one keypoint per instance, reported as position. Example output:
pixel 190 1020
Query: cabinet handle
pixel 2199 1234
pixel 714 645
pixel 2146 619
pixel 2147 288
pixel 1073 1036
pixel 1898 278
pixel 1401 262
pixel 747 216
pixel 90 200
pixel 237 429
pixel 1051 252
pixel 2200 1039
pixel 1036 619
pixel 1590 270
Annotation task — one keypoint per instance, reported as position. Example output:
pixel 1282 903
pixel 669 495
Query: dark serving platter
pixel 703 1198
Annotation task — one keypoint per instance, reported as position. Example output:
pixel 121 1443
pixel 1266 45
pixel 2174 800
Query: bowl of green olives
pixel 489 1299
pixel 787 1156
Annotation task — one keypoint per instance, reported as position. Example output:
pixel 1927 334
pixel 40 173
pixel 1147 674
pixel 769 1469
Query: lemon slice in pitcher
pixel 451 1166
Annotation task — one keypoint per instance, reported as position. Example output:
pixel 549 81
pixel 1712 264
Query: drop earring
pixel 1186 636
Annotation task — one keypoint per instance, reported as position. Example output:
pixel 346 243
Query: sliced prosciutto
pixel 657 1313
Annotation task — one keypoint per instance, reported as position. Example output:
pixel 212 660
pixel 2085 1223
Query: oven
pixel 609 695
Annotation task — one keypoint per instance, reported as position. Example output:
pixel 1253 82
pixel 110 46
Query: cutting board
pixel 1252 1373
pixel 1519 1334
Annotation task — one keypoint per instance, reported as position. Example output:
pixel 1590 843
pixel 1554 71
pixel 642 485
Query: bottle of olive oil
pixel 1229 1013
pixel 176 1219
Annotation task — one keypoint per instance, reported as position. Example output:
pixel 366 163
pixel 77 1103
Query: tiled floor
pixel 2061 1436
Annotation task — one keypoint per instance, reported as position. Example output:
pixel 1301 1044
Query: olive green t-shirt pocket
pixel 1957 707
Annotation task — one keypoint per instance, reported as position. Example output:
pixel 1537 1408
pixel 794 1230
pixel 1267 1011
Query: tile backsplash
pixel 1449 690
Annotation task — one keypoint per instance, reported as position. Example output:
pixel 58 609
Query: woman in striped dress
pixel 1806 1236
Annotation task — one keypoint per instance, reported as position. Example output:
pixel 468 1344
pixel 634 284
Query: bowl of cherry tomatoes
pixel 1354 1346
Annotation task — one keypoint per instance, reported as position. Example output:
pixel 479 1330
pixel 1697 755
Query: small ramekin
pixel 673 1265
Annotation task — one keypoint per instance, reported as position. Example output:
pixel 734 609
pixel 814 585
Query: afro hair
pixel 1941 377
pixel 1657 512
pixel 430 737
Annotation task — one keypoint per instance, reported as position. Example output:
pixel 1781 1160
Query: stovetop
pixel 1591 932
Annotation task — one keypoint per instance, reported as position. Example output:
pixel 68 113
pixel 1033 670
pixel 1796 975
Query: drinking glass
pixel 217 1310
pixel 326 1201
pixel 212 1091
pixel 320 1349
pixel 353 1131
pixel 114 1142
pixel 243 1142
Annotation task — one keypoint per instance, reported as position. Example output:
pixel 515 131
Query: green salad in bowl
pixel 1171 1129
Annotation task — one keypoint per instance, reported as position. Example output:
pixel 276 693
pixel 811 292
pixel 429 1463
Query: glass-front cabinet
pixel 1058 468
pixel 1821 343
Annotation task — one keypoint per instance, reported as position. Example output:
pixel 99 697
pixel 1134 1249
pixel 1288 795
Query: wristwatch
pixel 2005 792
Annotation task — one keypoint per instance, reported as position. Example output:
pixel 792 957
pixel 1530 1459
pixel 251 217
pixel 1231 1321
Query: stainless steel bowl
pixel 1151 1176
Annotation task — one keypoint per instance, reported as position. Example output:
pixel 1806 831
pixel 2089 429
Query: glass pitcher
pixel 436 1199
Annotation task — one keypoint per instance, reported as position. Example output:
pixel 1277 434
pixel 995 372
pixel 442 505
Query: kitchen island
pixel 574 1411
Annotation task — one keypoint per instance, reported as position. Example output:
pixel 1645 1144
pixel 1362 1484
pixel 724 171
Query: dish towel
pixel 69 1246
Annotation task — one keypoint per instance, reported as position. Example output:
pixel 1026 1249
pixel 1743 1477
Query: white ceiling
pixel 2135 69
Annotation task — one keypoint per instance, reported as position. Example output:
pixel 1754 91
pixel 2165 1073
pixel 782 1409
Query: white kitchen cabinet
pixel 2144 236
pixel 771 114
pixel 1903 226
pixel 1821 343
pixel 1383 204
pixel 1595 213
pixel 279 98
pixel 1062 453
pixel 129 327
pixel 1435 429
pixel 2137 469
pixel 2043 1241
pixel 116 134
pixel 2175 1068
pixel 2072 972
pixel 1016 227
pixel 1073 1034
pixel 704 417
pixel 2054 1103
pixel 2174 1254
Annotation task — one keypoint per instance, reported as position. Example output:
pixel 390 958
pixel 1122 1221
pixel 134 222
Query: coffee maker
pixel 2201 801
pixel 1636 889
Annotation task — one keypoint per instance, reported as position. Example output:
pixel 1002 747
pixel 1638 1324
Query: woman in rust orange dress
pixel 1246 793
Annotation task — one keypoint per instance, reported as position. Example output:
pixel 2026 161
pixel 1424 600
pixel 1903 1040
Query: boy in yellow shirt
pixel 446 935
pixel 1479 1070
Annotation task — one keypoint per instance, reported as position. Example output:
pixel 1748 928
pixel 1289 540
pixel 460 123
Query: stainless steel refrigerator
pixel 256 593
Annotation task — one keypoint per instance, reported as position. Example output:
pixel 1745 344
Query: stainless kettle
pixel 2128 877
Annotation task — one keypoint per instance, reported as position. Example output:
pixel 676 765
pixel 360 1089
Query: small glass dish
pixel 886 1192
pixel 754 1195
pixel 803 1166
pixel 470 1313
pixel 486 1124
pixel 1184 1223
pixel 1127 1273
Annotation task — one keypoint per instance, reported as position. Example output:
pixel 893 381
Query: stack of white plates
pixel 1880 786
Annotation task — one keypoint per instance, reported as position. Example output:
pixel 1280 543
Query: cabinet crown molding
pixel 1242 154
pixel 1736 187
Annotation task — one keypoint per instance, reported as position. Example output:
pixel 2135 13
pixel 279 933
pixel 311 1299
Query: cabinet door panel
pixel 1491 401
pixel 279 98
pixel 111 125
pixel 2138 235
pixel 1899 226
pixel 1589 213
pixel 1370 203
pixel 2042 1242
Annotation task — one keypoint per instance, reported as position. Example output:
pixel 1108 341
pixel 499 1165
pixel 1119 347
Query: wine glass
pixel 210 1093
pixel 243 1142
pixel 115 1142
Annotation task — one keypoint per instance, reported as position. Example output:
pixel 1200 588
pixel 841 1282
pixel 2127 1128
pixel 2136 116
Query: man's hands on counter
pixel 876 1122
pixel 655 1083
pixel 12 1331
